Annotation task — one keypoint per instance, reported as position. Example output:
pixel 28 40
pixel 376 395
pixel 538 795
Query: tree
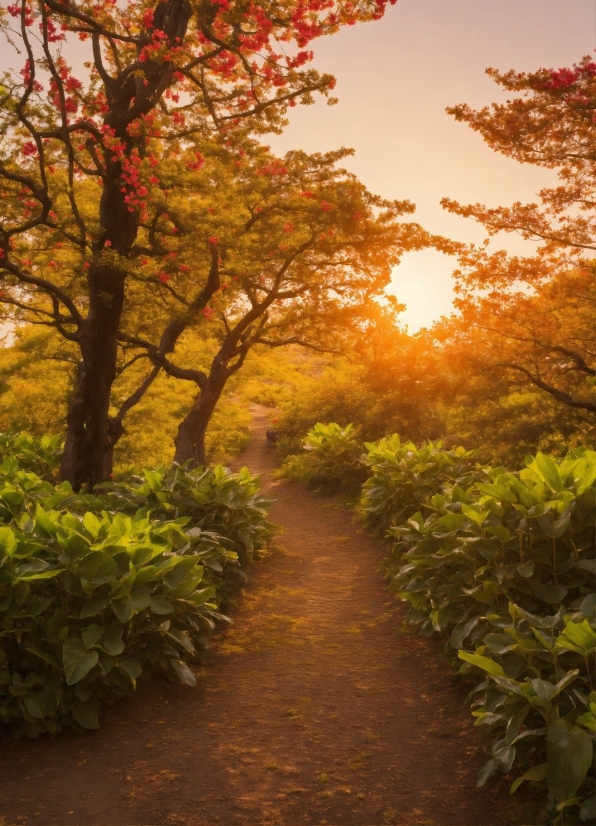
pixel 82 152
pixel 533 317
pixel 301 251
pixel 546 338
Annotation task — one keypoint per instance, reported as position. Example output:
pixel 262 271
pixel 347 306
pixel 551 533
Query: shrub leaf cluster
pixel 96 589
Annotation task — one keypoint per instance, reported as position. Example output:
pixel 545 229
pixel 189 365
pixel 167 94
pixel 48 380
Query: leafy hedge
pixel 404 475
pixel 506 568
pixel 502 567
pixel 41 456
pixel 96 589
pixel 331 458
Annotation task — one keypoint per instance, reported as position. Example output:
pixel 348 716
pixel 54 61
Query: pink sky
pixel 395 78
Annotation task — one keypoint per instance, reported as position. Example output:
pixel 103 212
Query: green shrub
pixel 526 538
pixel 214 499
pixel 505 568
pixel 404 475
pixel 97 588
pixel 41 456
pixel 539 705
pixel 86 603
pixel 331 458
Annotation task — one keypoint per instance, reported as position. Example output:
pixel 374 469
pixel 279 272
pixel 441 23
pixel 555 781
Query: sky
pixel 394 79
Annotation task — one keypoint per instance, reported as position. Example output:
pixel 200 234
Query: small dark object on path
pixel 271 436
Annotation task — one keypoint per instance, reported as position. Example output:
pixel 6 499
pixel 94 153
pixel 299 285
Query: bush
pixel 525 537
pixel 95 589
pixel 41 456
pixel 486 566
pixel 214 499
pixel 331 458
pixel 403 476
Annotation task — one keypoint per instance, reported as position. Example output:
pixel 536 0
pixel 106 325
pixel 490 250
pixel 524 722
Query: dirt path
pixel 318 707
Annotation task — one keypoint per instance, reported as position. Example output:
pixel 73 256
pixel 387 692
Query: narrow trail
pixel 318 707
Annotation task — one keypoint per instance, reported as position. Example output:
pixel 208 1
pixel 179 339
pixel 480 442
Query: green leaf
pixel 484 663
pixel 526 569
pixel 183 672
pixel 549 471
pixel 35 705
pixel 579 633
pixel 77 660
pixel 547 592
pixel 130 666
pixel 497 492
pixel 91 524
pixel 569 756
pixel 91 635
pixel 98 567
pixel 535 773
pixel 94 605
pixel 112 640
pixel 588 607
pixel 461 632
pixel 504 754
pixel 452 521
pixel 126 607
pixel 8 541
pixel 587 565
pixel 474 515
pixel 161 605
pixel 588 809
pixel 176 575
pixel 201 597
pixel 182 639
pixel 32 577
pixel 486 772
pixel 588 720
pixel 514 724
pixel 85 715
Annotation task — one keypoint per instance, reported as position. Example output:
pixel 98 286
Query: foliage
pixel 531 318
pixel 214 499
pixel 539 705
pixel 40 456
pixel 96 589
pixel 507 422
pixel 331 457
pixel 87 602
pixel 404 475
pixel 525 537
pixel 399 385
pixel 484 567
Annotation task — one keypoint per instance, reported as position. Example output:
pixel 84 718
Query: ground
pixel 317 706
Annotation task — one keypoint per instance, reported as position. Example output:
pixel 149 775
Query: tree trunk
pixel 190 440
pixel 90 434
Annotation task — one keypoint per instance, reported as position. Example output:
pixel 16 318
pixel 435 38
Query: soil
pixel 317 706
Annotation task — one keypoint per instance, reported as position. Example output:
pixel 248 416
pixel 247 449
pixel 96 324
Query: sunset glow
pixel 394 80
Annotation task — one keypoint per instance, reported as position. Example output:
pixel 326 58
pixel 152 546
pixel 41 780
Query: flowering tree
pixel 297 251
pixel 83 148
pixel 533 316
